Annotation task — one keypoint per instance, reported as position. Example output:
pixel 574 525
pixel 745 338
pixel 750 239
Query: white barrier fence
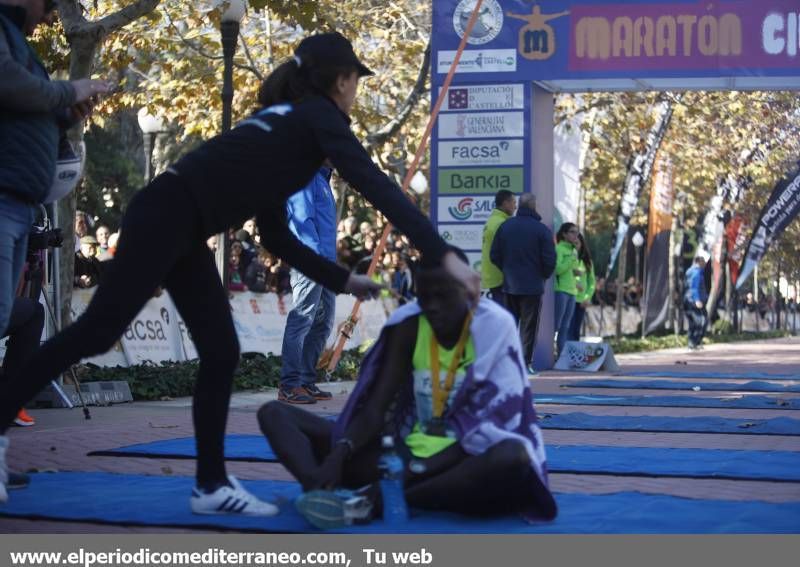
pixel 158 333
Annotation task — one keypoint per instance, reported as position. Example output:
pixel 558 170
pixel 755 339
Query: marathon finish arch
pixel 495 129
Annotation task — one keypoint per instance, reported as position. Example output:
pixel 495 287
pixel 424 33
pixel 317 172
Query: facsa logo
pixel 479 151
pixel 463 210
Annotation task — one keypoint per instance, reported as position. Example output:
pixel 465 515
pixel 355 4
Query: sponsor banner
pixel 481 181
pixel 657 253
pixel 159 334
pixel 736 232
pixel 80 301
pixel 781 209
pixel 465 236
pixel 670 40
pixel 587 357
pixel 478 61
pixel 464 209
pixel 154 334
pixel 484 97
pixel 481 125
pixel 481 152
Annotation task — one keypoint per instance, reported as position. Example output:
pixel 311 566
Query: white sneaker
pixel 333 509
pixel 3 469
pixel 230 500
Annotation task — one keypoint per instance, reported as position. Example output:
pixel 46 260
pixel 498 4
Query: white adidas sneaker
pixel 3 469
pixel 233 500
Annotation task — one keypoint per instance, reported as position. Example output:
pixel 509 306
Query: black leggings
pixel 161 244
pixel 499 481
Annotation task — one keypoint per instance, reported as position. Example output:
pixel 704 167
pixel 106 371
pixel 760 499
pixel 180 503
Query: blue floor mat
pixel 715 375
pixel 659 424
pixel 781 466
pixel 740 402
pixel 164 501
pixel 754 386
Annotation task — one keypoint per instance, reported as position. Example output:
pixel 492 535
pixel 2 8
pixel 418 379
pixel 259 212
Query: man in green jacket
pixel 491 277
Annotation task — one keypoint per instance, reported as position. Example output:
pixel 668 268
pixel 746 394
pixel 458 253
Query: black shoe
pixel 316 393
pixel 17 480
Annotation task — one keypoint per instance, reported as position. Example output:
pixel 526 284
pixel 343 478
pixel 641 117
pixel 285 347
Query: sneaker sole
pixel 225 513
pixel 322 509
pixel 24 423
pixel 297 402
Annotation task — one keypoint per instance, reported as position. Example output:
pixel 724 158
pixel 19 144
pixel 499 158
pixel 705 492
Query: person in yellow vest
pixel 491 276
pixel 446 379
pixel 586 286
pixel 567 271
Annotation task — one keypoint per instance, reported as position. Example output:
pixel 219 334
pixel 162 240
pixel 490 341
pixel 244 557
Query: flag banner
pixel 736 232
pixel 780 210
pixel 656 281
pixel 637 177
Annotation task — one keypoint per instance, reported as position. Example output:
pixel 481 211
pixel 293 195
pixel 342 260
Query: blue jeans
pixel 308 327
pixel 564 308
pixel 577 323
pixel 16 219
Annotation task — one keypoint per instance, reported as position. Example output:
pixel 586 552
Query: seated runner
pixel 471 440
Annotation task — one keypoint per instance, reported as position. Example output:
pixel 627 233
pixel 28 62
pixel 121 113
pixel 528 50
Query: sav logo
pixel 476 152
pixel 472 209
pixel 463 210
pixel 487 26
pixel 537 40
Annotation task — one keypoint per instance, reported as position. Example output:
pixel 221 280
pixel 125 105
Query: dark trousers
pixel 497 295
pixel 526 310
pixel 24 332
pixel 577 321
pixel 145 260
pixel 698 319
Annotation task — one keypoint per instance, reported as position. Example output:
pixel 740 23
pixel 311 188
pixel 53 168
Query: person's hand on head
pixel 468 277
pixel 86 89
pixel 363 287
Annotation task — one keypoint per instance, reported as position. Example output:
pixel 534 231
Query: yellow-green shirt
pixel 420 444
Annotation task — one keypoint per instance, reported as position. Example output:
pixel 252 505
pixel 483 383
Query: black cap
pixel 329 49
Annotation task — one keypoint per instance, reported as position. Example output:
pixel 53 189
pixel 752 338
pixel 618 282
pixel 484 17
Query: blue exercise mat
pixel 755 386
pixel 659 424
pixel 715 375
pixel 741 402
pixel 164 501
pixel 780 466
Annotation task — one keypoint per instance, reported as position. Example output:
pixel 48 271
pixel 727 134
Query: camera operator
pixel 34 112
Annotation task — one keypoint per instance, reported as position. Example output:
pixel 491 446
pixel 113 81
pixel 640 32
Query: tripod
pixel 34 277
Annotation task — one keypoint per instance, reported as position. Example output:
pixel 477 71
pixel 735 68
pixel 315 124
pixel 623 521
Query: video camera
pixel 44 237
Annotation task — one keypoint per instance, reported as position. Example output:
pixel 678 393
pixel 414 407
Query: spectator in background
pixel 235 282
pixel 102 234
pixel 81 228
pixel 251 228
pixel 211 242
pixel 402 279
pixel 259 277
pixel 694 302
pixel 311 214
pixel 87 266
pixel 491 276
pixel 567 271
pixel 586 286
pixel 113 240
pixel 249 251
pixel 523 250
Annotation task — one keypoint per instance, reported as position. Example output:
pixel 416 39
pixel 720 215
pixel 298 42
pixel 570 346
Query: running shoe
pixel 297 395
pixel 233 500
pixel 23 419
pixel 316 393
pixel 333 509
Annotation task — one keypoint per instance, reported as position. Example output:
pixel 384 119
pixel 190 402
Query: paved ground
pixel 62 438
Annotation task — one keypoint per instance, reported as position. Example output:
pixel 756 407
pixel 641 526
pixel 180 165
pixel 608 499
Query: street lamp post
pixel 151 126
pixel 229 29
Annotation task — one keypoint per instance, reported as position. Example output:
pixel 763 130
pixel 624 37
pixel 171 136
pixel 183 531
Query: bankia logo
pixel 463 210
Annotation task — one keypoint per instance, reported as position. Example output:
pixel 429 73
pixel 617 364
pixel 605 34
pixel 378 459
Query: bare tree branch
pixel 391 128
pixel 249 56
pixel 125 16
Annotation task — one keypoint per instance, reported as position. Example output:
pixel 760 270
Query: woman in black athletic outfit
pixel 249 170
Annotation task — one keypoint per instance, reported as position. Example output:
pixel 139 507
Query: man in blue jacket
pixel 33 112
pixel 694 302
pixel 312 218
pixel 524 251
